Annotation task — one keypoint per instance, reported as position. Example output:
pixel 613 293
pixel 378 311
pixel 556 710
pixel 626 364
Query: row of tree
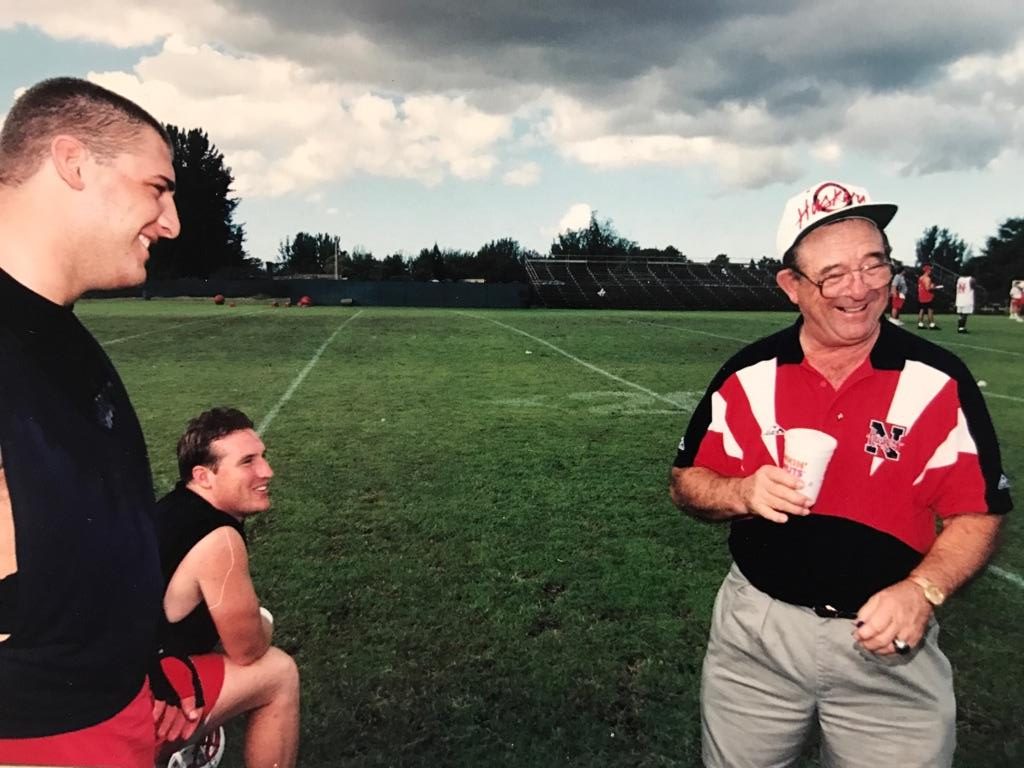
pixel 499 261
pixel 212 244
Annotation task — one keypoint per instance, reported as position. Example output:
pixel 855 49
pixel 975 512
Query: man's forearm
pixel 770 492
pixel 246 651
pixel 902 609
pixel 706 494
pixel 960 550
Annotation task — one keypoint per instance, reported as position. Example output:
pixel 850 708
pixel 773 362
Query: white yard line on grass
pixel 691 330
pixel 983 349
pixel 584 363
pixel 1004 397
pixel 176 325
pixel 302 375
pixel 1010 576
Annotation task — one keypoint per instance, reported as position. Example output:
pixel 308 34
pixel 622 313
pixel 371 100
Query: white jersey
pixel 965 293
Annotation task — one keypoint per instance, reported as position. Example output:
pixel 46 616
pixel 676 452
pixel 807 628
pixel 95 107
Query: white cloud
pixel 113 22
pixel 827 152
pixel 735 165
pixel 577 217
pixel 525 175
pixel 294 104
pixel 623 151
pixel 934 136
pixel 601 138
pixel 282 128
pixel 569 120
pixel 1008 68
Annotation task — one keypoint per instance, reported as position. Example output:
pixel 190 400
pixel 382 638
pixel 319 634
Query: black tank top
pixel 183 518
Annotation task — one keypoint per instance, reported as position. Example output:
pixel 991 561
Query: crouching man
pixel 213 617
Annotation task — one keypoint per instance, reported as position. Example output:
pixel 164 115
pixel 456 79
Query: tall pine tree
pixel 210 243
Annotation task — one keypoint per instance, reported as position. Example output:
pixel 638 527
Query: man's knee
pixel 273 679
pixel 283 671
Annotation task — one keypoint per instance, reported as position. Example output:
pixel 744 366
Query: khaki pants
pixel 772 669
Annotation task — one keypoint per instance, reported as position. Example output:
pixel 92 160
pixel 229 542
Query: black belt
pixel 831 612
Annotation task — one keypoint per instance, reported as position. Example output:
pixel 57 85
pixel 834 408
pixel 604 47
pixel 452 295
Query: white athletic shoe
pixel 895 321
pixel 206 753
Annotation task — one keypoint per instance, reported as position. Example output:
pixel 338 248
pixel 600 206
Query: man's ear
pixel 788 280
pixel 202 476
pixel 69 155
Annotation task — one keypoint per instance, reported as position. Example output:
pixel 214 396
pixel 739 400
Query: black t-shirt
pixel 85 605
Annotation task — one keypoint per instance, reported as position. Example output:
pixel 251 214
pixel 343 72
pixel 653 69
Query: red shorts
pixel 210 667
pixel 126 740
pixel 897 302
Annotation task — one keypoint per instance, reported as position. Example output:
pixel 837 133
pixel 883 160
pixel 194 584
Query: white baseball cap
pixel 826 202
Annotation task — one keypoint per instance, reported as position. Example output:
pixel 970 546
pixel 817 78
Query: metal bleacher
pixel 625 282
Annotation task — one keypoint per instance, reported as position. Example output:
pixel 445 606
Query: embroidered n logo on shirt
pixel 884 440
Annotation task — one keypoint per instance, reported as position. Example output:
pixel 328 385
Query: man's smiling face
pixel 852 316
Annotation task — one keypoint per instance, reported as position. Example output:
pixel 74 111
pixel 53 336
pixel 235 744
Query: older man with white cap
pixel 827 614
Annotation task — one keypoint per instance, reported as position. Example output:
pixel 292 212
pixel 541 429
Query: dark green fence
pixel 325 292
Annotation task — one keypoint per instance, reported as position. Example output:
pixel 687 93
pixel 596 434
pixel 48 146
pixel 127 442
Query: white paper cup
pixel 806 455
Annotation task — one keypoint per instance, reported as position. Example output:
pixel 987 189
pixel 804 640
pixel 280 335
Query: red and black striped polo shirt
pixel 915 443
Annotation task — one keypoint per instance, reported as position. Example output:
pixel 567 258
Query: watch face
pixel 932 593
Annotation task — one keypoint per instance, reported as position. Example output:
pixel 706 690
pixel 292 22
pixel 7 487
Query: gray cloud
pixel 789 57
pixel 728 51
pixel 754 76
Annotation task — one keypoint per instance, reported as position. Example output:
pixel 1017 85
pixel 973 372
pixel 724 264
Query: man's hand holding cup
pixel 774 493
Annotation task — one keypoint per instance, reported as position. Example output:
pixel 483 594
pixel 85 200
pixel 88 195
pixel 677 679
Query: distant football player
pixel 897 294
pixel 926 288
pixel 1017 300
pixel 964 296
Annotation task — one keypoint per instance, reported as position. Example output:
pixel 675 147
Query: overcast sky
pixel 396 125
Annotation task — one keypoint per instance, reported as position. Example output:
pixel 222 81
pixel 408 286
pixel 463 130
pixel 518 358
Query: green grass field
pixel 472 554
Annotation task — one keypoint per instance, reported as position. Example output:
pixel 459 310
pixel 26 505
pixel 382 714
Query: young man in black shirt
pixel 86 187
pixel 213 615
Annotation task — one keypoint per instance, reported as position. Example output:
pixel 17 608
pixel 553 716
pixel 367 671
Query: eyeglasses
pixel 873 276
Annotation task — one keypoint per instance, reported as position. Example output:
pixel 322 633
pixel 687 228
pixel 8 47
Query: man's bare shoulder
pixel 218 552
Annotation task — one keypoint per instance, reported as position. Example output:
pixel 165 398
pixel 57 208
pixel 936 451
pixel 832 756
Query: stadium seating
pixel 624 282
